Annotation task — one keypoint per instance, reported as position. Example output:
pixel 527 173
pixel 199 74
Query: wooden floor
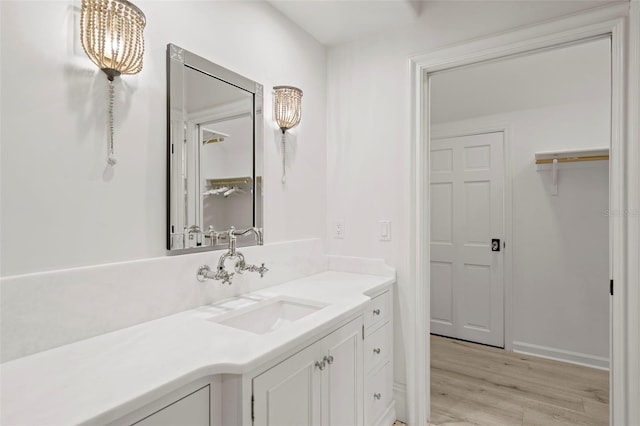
pixel 479 385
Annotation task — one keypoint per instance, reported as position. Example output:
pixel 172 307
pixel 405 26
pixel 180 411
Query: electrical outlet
pixel 385 230
pixel 339 229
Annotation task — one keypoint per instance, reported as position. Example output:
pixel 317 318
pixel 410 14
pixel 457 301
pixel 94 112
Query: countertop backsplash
pixel 45 310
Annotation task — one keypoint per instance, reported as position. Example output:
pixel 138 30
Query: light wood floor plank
pixel 480 385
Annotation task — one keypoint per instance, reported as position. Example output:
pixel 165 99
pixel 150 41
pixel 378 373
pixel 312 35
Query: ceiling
pixel 573 74
pixel 332 22
pixel 203 92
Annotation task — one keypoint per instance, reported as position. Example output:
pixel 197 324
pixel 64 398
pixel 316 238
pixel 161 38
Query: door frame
pixel 621 22
pixel 507 231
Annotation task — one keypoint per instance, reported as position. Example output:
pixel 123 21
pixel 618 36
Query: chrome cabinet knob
pixel 377 395
pixel 376 351
pixel 376 312
pixel 320 365
pixel 328 359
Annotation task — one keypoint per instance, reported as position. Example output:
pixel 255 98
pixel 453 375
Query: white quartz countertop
pixel 100 379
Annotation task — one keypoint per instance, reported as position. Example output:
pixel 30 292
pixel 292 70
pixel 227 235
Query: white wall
pixel 560 244
pixel 369 146
pixel 61 207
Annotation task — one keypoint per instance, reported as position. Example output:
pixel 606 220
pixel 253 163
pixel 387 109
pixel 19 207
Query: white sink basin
pixel 269 315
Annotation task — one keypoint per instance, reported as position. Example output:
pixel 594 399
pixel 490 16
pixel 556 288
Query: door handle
pixel 495 244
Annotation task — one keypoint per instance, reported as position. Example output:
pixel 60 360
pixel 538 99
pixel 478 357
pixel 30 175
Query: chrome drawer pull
pixel 376 351
pixel 377 395
pixel 328 359
pixel 376 312
pixel 321 365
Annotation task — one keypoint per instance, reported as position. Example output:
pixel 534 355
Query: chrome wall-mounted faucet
pixel 241 266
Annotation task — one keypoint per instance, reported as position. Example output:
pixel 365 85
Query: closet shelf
pixel 554 158
pixel 573 156
pixel 232 181
pixel 212 136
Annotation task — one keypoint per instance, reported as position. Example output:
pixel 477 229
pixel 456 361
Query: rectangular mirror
pixel 214 153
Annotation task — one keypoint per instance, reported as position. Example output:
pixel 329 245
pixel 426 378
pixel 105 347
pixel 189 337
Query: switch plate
pixel 385 230
pixel 338 231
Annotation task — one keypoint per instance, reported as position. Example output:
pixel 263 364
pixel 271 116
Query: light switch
pixel 385 230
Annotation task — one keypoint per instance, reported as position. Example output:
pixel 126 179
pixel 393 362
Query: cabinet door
pixel 192 410
pixel 289 393
pixel 342 401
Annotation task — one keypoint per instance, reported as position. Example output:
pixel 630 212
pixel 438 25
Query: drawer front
pixel 377 394
pixel 378 347
pixel 379 310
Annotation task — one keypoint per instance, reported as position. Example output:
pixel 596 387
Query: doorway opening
pixel 519 249
pixel 620 23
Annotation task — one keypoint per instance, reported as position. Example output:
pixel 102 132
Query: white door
pixel 467 212
pixel 289 394
pixel 344 378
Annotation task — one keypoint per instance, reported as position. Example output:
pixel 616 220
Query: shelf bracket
pixel 554 177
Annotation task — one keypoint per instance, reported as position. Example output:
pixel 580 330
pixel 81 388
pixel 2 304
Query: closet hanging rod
pixel 574 159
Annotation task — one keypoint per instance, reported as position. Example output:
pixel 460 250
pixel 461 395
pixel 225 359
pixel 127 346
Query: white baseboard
pixel 561 355
pixel 400 396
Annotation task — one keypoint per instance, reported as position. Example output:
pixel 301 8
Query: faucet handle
pixel 227 278
pixel 262 270
pixel 193 229
pixel 204 273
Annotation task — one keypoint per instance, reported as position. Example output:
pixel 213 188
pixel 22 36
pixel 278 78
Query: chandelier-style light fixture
pixel 112 36
pixel 287 110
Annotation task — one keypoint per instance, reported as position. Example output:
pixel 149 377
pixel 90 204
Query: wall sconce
pixel 287 110
pixel 112 37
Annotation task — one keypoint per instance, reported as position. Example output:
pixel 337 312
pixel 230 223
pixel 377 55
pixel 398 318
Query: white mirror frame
pixel 621 22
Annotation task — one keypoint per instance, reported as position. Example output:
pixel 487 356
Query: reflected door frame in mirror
pixel 204 197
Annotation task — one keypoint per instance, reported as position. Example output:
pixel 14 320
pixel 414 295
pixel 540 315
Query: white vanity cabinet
pixel 345 378
pixel 379 407
pixel 320 385
pixel 332 367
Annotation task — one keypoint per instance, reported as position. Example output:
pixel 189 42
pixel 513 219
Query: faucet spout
pixel 221 273
pixel 257 232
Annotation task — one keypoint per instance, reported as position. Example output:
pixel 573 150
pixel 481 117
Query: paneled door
pixel 467 216
pixel 289 394
pixel 344 378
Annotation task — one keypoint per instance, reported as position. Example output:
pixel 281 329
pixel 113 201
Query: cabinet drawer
pixel 377 395
pixel 377 347
pixel 379 310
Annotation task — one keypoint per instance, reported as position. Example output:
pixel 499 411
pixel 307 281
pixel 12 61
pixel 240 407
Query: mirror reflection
pixel 215 120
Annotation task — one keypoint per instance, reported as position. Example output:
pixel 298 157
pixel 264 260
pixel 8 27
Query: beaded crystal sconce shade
pixel 112 35
pixel 287 110
pixel 287 107
pixel 111 32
